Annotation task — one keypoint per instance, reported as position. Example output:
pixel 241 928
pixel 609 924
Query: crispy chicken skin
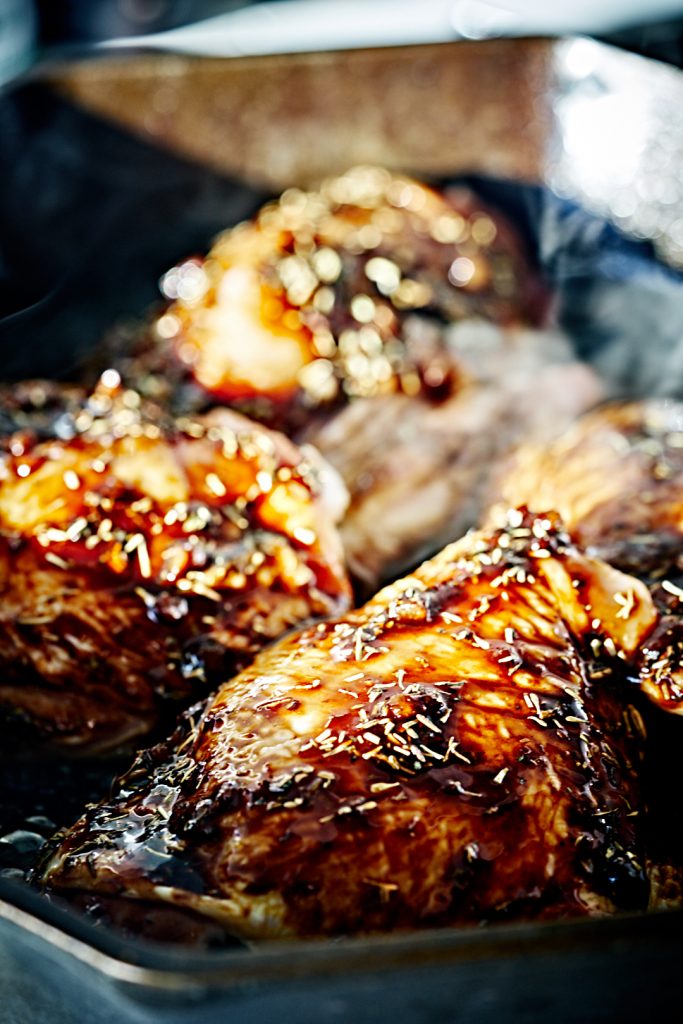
pixel 454 751
pixel 616 478
pixel 307 305
pixel 140 560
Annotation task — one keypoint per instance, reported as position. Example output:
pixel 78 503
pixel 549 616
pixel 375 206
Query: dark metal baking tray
pixel 56 968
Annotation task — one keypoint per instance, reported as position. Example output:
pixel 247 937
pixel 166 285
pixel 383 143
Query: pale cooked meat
pixel 616 478
pixel 305 306
pixel 140 560
pixel 417 471
pixel 458 750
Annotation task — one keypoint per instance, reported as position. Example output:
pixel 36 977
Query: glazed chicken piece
pixel 307 305
pixel 455 751
pixel 616 478
pixel 141 560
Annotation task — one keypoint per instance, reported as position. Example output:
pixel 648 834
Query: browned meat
pixel 307 305
pixel 417 471
pixel 616 478
pixel 454 751
pixel 38 409
pixel 140 560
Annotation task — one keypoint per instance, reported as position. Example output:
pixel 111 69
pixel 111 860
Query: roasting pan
pixel 114 168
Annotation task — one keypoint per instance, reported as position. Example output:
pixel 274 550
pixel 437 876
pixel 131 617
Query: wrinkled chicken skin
pixel 455 751
pixel 140 560
pixel 307 305
pixel 616 478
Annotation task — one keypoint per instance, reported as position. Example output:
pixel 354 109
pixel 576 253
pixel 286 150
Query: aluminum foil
pixel 618 144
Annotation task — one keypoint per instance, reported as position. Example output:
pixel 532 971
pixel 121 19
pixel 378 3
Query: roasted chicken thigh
pixel 616 478
pixel 326 295
pixel 458 750
pixel 141 559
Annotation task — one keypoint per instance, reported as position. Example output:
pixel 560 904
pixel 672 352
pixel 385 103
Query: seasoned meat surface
pixel 306 306
pixel 616 477
pixel 454 751
pixel 141 559
pixel 417 471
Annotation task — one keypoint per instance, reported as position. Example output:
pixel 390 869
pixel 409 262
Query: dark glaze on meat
pixel 141 559
pixel 455 751
pixel 320 298
pixel 616 478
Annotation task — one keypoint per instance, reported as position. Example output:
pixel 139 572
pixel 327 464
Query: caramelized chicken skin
pixel 141 559
pixel 616 477
pixel 454 751
pixel 322 297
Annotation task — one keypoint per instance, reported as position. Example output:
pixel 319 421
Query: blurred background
pixel 132 131
pixel 30 30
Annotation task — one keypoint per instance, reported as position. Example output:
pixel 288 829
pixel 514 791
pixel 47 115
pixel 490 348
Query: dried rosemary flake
pixel 71 480
pixel 216 485
pixel 671 588
pixel 56 560
pixel 626 602
pixel 428 723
